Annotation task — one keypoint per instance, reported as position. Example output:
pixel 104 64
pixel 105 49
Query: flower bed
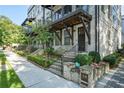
pixel 40 60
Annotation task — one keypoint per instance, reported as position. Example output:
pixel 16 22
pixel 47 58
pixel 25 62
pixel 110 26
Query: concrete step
pixel 55 71
pixel 70 53
pixel 59 68
pixel 57 64
pixel 68 59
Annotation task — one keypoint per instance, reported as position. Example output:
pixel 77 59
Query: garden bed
pixel 40 60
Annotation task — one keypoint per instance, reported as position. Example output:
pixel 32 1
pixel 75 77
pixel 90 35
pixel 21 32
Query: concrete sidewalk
pixel 113 79
pixel 35 77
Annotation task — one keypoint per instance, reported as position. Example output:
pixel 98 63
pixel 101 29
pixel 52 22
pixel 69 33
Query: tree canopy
pixel 10 33
pixel 43 34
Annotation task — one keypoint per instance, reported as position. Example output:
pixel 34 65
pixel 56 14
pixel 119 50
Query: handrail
pixel 71 48
pixel 63 56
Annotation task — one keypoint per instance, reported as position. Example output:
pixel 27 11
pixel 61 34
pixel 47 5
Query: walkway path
pixel 33 76
pixel 114 79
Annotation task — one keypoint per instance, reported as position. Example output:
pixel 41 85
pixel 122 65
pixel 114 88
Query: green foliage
pixel 10 32
pixel 8 78
pixel 43 34
pixel 95 56
pixel 2 58
pixel 111 59
pixel 40 60
pixel 121 52
pixel 116 54
pixel 49 51
pixel 122 46
pixel 22 53
pixel 83 59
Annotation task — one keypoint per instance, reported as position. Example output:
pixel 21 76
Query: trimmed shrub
pixel 95 56
pixel 121 51
pixel 83 59
pixel 111 59
pixel 116 54
pixel 49 51
pixel 122 46
pixel 40 60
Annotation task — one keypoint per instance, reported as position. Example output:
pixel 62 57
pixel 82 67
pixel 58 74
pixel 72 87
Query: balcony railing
pixel 61 14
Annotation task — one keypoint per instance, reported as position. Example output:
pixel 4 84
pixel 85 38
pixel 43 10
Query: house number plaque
pixel 84 77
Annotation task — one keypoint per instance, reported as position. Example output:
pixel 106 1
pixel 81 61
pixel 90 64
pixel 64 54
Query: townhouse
pixel 82 28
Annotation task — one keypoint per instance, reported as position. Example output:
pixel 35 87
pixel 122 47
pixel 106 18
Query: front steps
pixel 69 57
pixel 57 66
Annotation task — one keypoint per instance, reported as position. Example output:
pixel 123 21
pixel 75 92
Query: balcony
pixel 70 19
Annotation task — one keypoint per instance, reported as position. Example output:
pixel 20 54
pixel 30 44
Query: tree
pixel 10 33
pixel 43 34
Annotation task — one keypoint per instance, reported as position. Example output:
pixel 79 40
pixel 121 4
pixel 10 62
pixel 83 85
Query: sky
pixel 18 13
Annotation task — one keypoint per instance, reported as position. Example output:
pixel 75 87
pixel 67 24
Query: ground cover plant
pixel 8 77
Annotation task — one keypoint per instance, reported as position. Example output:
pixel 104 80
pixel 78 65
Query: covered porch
pixel 70 31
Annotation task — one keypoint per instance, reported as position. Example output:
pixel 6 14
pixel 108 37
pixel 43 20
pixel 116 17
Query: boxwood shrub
pixel 116 54
pixel 83 59
pixel 95 56
pixel 40 60
pixel 111 59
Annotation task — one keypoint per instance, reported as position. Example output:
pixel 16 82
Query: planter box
pixel 86 76
pixel 106 67
pixel 75 75
pixel 67 66
pixel 95 77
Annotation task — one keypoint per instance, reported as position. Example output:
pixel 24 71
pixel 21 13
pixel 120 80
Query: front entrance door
pixel 81 39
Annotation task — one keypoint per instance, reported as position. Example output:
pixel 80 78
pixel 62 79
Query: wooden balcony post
pixel 86 30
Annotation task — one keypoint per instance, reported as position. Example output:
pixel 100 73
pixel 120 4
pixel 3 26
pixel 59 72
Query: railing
pixel 64 16
pixel 73 47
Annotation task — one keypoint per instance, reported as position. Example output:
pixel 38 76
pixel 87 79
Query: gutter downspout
pixel 96 28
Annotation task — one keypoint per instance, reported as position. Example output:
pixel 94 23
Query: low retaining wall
pixel 86 75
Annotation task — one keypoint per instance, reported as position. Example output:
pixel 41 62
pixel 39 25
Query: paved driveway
pixel 35 77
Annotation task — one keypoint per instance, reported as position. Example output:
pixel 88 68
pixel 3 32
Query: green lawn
pixel 8 78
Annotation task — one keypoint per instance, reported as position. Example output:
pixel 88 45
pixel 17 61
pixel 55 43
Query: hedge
pixel 95 56
pixel 83 59
pixel 40 60
pixel 111 59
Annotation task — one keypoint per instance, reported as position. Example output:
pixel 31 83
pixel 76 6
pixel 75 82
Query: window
pixel 67 9
pixel 57 41
pixel 57 14
pixel 66 38
pixel 78 6
pixel 103 8
pixel 114 17
pixel 84 7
